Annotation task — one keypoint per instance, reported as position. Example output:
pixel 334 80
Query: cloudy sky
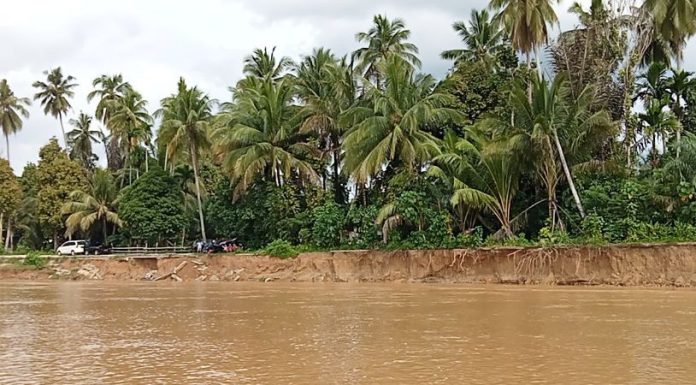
pixel 153 42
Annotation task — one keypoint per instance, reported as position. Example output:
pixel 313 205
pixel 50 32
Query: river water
pixel 233 333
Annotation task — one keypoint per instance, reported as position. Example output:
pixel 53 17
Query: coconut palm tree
pixel 391 128
pixel 54 94
pixel 108 90
pixel 186 121
pixel 482 40
pixel 12 109
pixel 130 123
pixel 384 39
pixel 549 126
pixel 258 135
pixel 81 137
pixel 482 176
pixel 327 88
pixel 94 207
pixel 674 22
pixel 264 65
pixel 526 23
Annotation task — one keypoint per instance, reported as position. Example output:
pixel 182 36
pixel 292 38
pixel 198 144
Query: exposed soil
pixel 624 265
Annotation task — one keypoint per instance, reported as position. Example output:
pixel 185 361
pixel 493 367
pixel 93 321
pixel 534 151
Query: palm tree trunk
pixel 2 219
pixel 104 230
pixel 529 86
pixel 62 129
pixel 9 233
pixel 569 177
pixel 7 143
pixel 194 163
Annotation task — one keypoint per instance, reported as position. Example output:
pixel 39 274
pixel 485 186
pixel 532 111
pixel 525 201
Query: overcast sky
pixel 153 42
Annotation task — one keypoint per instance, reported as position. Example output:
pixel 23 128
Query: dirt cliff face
pixel 627 265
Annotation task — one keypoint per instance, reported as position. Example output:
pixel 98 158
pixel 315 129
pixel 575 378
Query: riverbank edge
pixel 619 265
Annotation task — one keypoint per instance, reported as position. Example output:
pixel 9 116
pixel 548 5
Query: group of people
pixel 213 246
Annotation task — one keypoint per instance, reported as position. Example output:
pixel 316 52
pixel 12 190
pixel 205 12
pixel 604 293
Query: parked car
pixel 97 249
pixel 72 248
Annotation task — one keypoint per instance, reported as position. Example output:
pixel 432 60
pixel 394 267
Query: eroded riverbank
pixel 624 265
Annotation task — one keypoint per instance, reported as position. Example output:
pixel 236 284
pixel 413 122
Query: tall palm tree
pixel 186 120
pixel 392 127
pixel 81 137
pixel 327 88
pixel 384 39
pixel 674 22
pixel 130 123
pixel 482 40
pixel 258 135
pixel 108 90
pixel 679 85
pixel 12 109
pixel 97 206
pixel 526 23
pixel 262 64
pixel 54 94
pixel 657 122
pixel 652 84
pixel 549 126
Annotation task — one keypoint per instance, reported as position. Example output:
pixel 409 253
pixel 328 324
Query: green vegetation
pixel 592 142
pixel 280 249
pixel 34 259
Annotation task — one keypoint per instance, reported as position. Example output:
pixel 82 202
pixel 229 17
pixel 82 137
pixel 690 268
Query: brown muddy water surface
pixel 278 333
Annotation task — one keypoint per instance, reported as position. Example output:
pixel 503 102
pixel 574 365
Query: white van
pixel 72 248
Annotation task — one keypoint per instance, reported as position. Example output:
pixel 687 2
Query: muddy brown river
pixel 231 333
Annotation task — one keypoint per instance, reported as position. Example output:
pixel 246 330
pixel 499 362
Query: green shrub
pixel 280 249
pixel 33 258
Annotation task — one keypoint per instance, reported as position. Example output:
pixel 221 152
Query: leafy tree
pixel 151 210
pixel 56 176
pixel 477 92
pixel 10 197
pixel 328 225
pixel 94 207
pixel 12 109
pixel 186 118
pixel 54 94
pixel 80 140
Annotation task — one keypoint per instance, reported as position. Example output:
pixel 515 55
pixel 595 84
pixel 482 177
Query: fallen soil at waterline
pixel 621 265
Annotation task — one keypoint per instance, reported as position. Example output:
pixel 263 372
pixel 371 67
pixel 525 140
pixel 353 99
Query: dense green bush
pixel 329 222
pixel 34 259
pixel 280 249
